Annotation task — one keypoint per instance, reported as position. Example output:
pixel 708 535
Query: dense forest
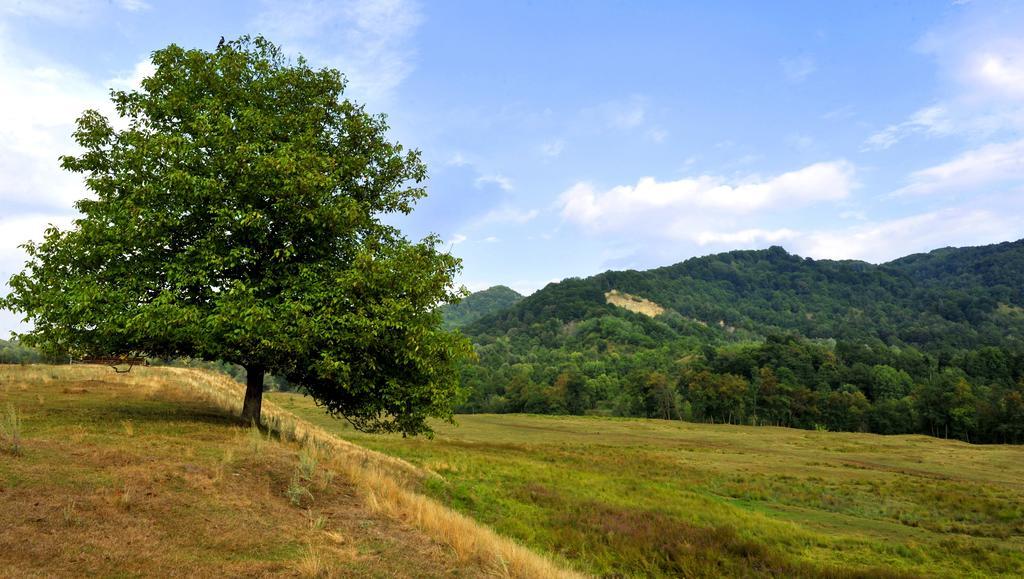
pixel 928 343
pixel 478 305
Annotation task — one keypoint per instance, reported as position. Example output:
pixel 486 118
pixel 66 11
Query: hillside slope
pixel 149 473
pixel 478 305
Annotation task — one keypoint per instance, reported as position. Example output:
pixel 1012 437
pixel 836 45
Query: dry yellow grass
pixel 633 303
pixel 469 539
pixel 186 492
pixel 383 482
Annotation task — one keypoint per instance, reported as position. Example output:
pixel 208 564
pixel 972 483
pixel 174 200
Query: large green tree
pixel 238 214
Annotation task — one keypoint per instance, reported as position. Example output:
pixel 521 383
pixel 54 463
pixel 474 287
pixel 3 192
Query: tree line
pixel 783 380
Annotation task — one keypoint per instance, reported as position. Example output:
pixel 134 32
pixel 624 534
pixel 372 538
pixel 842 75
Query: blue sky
pixel 565 139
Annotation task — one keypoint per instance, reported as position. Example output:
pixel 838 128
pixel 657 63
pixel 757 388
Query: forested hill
pixel 478 305
pixel 947 299
pixel 997 268
pixel 930 343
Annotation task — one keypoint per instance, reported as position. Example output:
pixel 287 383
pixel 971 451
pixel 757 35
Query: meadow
pixel 639 497
pixel 136 474
pixel 150 473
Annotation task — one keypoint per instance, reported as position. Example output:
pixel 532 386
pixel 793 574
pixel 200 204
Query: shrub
pixel 10 430
pixel 297 492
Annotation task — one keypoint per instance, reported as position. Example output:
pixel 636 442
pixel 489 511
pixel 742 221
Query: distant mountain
pixel 480 304
pixel 949 298
pixel 930 343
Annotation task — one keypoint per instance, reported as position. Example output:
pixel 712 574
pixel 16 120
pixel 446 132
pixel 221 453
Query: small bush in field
pixel 304 473
pixel 297 492
pixel 10 430
pixel 307 465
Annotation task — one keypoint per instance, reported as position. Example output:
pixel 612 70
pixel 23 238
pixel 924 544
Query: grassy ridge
pixel 141 473
pixel 642 497
pixel 136 475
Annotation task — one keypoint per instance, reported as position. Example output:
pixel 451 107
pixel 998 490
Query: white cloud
pixel 797 69
pixel 948 119
pixel 39 103
pixel 986 165
pixel 933 121
pixel 457 239
pixel 987 220
pixel 1003 73
pixel 369 41
pixel 745 237
pixel 980 52
pixel 886 240
pixel 18 229
pixel 552 148
pixel 503 182
pixel 688 207
pixel 132 80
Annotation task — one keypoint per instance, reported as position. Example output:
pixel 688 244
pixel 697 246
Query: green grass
pixel 647 497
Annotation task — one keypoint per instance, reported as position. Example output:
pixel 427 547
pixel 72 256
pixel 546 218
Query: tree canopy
pixel 239 215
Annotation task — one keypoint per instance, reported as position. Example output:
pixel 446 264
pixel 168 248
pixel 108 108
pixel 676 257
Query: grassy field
pixel 647 497
pixel 134 475
pixel 143 473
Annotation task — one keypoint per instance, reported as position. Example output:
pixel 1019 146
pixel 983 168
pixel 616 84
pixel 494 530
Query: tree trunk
pixel 253 404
